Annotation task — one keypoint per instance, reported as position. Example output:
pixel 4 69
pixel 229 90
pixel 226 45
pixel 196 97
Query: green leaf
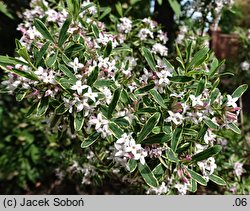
pixel 239 91
pixel 95 30
pixel 67 72
pixel 79 120
pixel 158 171
pixel 43 106
pixel 42 52
pixel 214 94
pixel 64 83
pixel 211 151
pixel 51 60
pixel 210 123
pixel 43 30
pixel 5 11
pixel 61 109
pixel 158 98
pixel 159 138
pixel 91 140
pixel 149 58
pixel 20 95
pixel 6 60
pixel 108 49
pixel 54 120
pixel 182 148
pixel 200 87
pixel 63 36
pixel 177 135
pixel 198 58
pixel 24 74
pixel 193 187
pixel 181 79
pixel 132 164
pixel 116 130
pixel 23 52
pixel 74 48
pixel 144 89
pixel 103 83
pixel 197 177
pixel 147 175
pixel 217 179
pixel 232 126
pixel 93 76
pixel 114 102
pixel 148 127
pixel 118 7
pixel 105 13
pixel 146 110
pixel 176 7
pixel 215 66
pixel 171 155
pixel 31 110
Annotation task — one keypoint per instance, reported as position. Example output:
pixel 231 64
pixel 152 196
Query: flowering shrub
pixel 112 88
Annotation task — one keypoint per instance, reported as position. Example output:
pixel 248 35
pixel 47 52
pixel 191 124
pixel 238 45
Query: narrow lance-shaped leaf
pixel 176 7
pixel 91 140
pixel 132 164
pixel 63 32
pixel 172 156
pixel 108 49
pixel 198 58
pixel 42 52
pixel 217 179
pixel 93 76
pixel 67 72
pixel 147 175
pixel 24 74
pixel 210 123
pixel 239 91
pixel 79 120
pixel 114 102
pixel 61 109
pixel 181 79
pixel 176 138
pixel 144 89
pixel 43 106
pixel 232 126
pixel 148 127
pixel 149 58
pixel 6 60
pixel 211 151
pixel 200 87
pixel 43 30
pixel 158 98
pixel 197 177
pixel 116 130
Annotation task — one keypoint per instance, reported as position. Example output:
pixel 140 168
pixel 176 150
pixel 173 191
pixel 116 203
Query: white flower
pixel 98 121
pixel 208 166
pixel 147 75
pixel 159 48
pixel 182 188
pixel 177 118
pixel 144 33
pixel 245 65
pixel 79 87
pixel 140 155
pixel 196 101
pixel 162 189
pixel 90 94
pixel 125 26
pixel 231 101
pixel 107 93
pixel 238 169
pixel 162 36
pixel 209 137
pixel 76 65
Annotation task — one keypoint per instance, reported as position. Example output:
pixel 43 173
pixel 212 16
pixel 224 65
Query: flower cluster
pixel 113 88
